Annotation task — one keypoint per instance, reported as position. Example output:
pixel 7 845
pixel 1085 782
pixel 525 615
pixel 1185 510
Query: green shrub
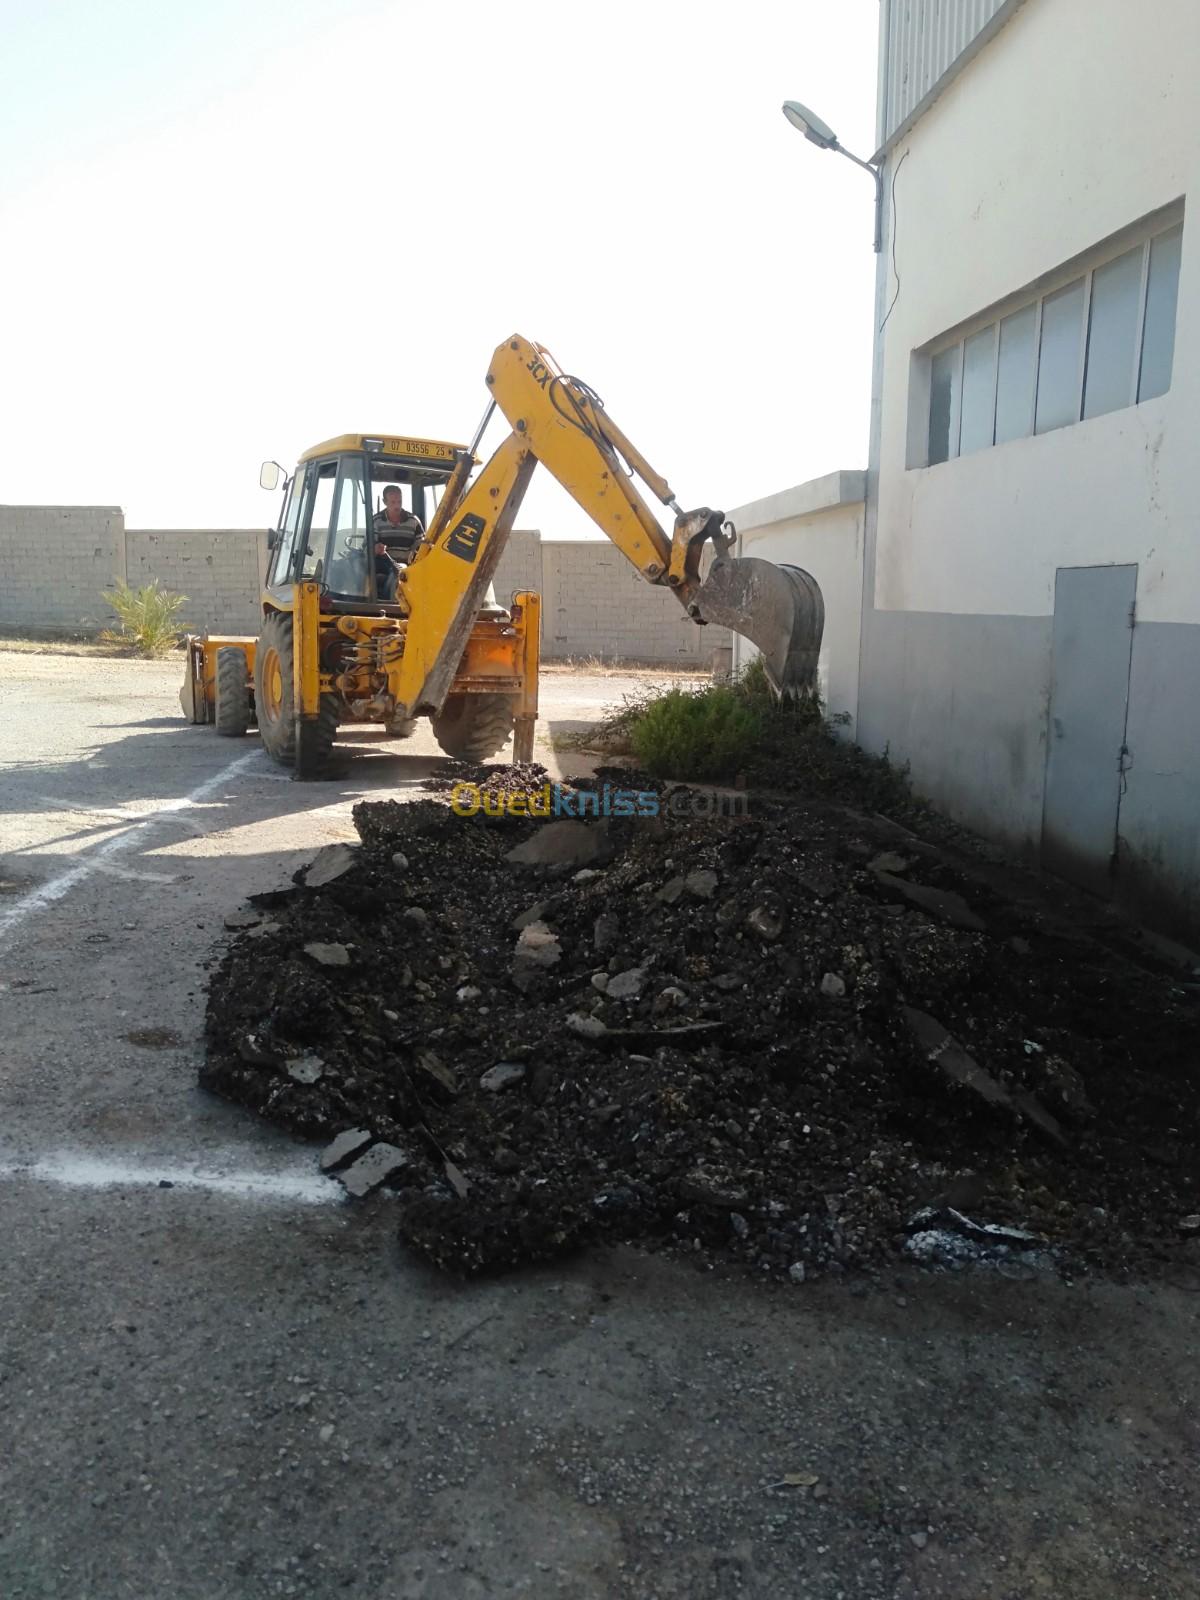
pixel 146 617
pixel 753 684
pixel 712 733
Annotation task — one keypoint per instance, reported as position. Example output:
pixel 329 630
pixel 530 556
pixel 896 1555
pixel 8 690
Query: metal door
pixel 1089 697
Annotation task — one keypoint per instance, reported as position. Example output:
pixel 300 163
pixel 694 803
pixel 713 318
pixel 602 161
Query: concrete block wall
pixel 595 604
pixel 54 562
pixel 220 570
pixel 520 565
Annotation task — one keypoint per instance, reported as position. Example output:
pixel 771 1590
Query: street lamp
pixel 823 136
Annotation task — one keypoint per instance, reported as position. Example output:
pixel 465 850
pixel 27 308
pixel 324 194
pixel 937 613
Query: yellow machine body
pixel 332 650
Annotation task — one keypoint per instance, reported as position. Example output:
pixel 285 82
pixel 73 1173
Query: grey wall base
pixel 963 701
pixel 1159 863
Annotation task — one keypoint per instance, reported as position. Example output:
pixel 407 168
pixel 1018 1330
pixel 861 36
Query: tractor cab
pixel 334 640
pixel 325 530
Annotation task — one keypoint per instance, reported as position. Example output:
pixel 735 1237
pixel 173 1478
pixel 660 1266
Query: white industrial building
pixel 1029 640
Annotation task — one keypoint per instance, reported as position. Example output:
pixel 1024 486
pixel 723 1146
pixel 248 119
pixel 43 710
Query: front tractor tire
pixel 232 712
pixel 275 702
pixel 472 727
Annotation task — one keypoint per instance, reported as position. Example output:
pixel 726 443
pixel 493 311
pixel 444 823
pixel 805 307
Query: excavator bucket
pixel 778 608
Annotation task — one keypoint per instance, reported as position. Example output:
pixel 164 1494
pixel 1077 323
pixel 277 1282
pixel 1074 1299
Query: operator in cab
pixel 398 535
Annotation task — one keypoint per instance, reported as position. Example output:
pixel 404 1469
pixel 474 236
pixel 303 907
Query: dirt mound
pixel 778 1036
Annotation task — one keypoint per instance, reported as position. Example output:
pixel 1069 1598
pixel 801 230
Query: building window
pixel 1100 342
pixel 1060 358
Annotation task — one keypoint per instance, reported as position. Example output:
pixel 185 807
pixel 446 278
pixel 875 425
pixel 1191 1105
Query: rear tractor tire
pixel 232 717
pixel 274 698
pixel 472 727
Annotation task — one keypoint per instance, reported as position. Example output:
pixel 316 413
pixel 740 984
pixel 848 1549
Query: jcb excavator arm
pixel 561 422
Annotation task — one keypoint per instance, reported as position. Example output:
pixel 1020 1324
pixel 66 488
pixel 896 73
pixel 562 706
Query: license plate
pixel 420 449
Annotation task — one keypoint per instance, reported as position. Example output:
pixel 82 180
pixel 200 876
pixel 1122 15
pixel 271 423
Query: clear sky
pixel 235 228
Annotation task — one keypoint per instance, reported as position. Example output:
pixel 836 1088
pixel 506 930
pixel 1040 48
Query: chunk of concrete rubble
pixel 328 955
pixel 943 1236
pixel 943 1051
pixel 538 946
pixel 416 915
pixel 431 1071
pixel 671 890
pixel 400 861
pixel 702 1187
pixel 504 1075
pixel 561 844
pixel 1066 1090
pixel 889 861
pixel 348 1143
pixel 951 1220
pixel 668 999
pixel 606 930
pixel 766 921
pixel 943 903
pixel 332 861
pixel 833 986
pixel 381 1162
pixel 587 1027
pixel 701 883
pixel 237 920
pixel 534 913
pixel 263 930
pixel 305 1069
pixel 252 1049
pixel 585 875
pixel 600 981
pixel 627 985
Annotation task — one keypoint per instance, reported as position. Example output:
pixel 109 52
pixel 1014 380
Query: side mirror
pixel 268 475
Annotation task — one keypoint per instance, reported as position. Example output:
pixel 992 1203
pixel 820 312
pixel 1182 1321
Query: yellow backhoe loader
pixel 332 648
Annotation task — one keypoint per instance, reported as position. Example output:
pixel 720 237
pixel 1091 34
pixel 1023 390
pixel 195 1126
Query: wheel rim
pixel 273 683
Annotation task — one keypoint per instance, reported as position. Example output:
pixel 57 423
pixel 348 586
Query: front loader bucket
pixel 778 608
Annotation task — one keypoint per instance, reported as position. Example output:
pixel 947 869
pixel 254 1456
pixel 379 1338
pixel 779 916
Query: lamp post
pixel 823 136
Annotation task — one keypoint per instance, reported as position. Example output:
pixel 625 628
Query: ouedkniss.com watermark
pixel 552 800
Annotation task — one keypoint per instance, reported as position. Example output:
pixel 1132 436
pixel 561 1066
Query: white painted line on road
pixel 48 893
pixel 97 1172
pixel 56 804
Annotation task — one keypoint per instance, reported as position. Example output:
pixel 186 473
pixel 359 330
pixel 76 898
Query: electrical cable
pixel 895 268
pixel 580 421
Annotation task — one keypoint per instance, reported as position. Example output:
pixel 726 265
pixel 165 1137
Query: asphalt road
pixel 220 1381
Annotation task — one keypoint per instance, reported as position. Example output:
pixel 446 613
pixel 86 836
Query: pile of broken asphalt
pixel 803 1038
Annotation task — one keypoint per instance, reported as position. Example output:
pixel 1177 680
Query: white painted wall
pixel 818 526
pixel 1074 122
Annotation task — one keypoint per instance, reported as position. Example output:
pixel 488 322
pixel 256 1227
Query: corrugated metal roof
pixel 921 42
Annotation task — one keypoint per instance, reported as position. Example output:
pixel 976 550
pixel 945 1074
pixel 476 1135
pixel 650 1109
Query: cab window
pixel 285 544
pixel 337 550
pixel 313 565
pixel 349 565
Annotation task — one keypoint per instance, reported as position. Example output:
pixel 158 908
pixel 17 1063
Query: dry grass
pixel 61 645
pixel 609 667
